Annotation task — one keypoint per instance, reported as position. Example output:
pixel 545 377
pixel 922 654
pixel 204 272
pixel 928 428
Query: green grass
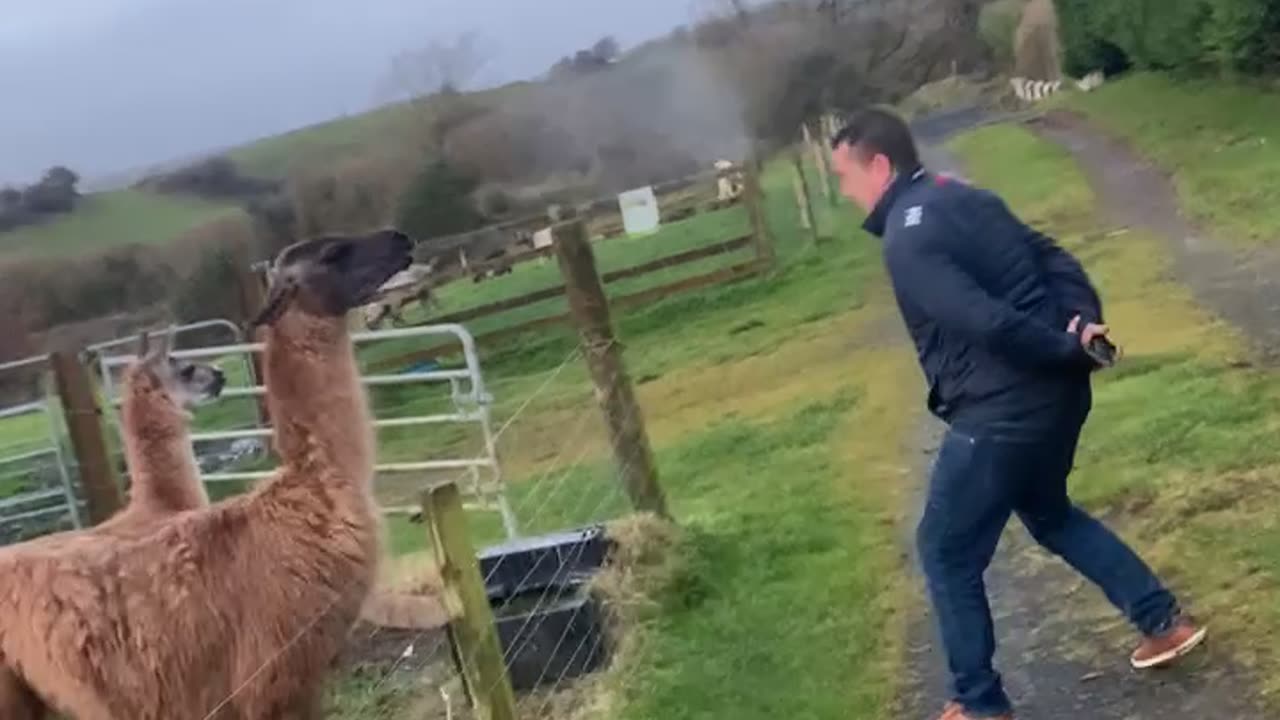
pixel 788 598
pixel 613 254
pixel 277 156
pixel 328 143
pixel 751 395
pixel 1219 139
pixel 1181 444
pixel 105 220
pixel 786 615
pixel 719 325
pixel 799 260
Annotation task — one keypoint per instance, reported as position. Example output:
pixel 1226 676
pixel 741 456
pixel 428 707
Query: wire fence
pixel 566 487
pixel 563 626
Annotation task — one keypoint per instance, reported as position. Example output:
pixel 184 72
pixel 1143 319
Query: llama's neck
pixel 317 404
pixel 162 466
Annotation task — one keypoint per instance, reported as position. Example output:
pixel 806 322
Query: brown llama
pixel 155 417
pixel 157 394
pixel 237 610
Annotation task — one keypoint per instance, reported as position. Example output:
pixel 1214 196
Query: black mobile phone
pixel 1102 350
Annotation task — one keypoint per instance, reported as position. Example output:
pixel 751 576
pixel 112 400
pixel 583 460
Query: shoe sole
pixel 1165 658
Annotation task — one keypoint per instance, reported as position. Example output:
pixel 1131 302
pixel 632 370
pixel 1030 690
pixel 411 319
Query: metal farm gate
pixel 112 356
pixel 37 488
pixel 468 404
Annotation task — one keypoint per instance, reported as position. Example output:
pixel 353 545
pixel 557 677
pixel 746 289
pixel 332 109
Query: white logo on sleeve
pixel 914 215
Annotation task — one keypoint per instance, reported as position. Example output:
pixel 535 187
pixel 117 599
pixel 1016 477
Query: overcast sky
pixel 109 85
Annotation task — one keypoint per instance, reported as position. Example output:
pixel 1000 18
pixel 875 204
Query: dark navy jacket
pixel 987 301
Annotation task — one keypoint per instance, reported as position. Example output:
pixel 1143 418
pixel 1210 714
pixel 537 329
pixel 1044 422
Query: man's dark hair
pixel 875 131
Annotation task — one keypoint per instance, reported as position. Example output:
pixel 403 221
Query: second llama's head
pixel 328 276
pixel 158 379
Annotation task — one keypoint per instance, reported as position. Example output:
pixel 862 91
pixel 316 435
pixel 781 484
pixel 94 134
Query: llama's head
pixel 328 276
pixel 166 380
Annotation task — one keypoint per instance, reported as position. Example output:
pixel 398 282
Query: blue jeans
pixel 980 478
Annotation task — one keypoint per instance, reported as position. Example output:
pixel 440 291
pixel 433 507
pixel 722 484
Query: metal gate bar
pixel 71 505
pixel 472 405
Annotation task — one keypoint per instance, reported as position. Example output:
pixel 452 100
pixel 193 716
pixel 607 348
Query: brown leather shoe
pixel 1161 650
pixel 954 711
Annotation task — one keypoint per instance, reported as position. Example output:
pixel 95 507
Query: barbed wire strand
pixel 313 621
pixel 510 599
pixel 535 613
pixel 525 634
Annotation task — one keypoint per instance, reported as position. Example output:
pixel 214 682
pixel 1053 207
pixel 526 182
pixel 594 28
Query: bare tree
pixel 1035 51
pixel 606 49
pixel 440 66
pixel 790 62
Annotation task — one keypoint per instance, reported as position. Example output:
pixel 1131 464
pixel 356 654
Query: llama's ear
pixel 278 300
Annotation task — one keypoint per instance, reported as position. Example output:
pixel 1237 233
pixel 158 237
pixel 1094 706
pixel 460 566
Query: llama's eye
pixel 188 372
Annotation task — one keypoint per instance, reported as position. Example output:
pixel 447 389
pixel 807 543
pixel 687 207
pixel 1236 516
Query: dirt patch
pixel 405 650
pixel 1241 285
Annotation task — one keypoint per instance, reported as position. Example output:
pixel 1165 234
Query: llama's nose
pixel 219 382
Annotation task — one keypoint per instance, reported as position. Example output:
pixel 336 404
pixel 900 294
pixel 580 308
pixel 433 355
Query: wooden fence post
pixel 753 196
pixel 807 219
pixel 253 296
pixel 820 161
pixel 473 632
pixel 83 416
pixel 589 308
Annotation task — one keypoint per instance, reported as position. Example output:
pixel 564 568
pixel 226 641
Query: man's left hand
pixel 1089 332
pixel 1094 340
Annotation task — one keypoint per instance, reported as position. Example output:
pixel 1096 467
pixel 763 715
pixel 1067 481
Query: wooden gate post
pixel 83 416
pixel 807 219
pixel 253 297
pixel 820 161
pixel 473 631
pixel 753 196
pixel 589 308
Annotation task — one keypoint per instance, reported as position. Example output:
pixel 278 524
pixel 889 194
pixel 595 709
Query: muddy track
pixel 1063 651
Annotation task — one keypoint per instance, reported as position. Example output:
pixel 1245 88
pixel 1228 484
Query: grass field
pixel 776 435
pixel 611 254
pixel 323 144
pixel 277 156
pixel 1220 140
pixel 778 413
pixel 105 220
pixel 1181 446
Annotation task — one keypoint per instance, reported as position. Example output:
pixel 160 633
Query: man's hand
pixel 1093 337
pixel 1090 331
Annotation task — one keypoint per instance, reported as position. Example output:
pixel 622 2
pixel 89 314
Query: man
pixel 1000 317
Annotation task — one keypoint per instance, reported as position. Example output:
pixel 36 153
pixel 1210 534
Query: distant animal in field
pixel 729 181
pixel 411 285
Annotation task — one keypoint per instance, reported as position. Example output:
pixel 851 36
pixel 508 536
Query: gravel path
pixel 1242 286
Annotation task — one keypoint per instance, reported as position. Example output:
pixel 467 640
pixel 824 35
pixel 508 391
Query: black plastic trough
pixel 550 626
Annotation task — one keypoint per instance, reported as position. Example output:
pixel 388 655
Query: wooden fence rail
pixel 759 240
pixel 722 276
pixel 662 263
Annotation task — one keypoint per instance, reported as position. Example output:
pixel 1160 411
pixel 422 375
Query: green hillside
pixel 104 220
pixel 328 142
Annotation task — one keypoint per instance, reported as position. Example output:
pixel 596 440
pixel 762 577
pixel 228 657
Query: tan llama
pixel 237 610
pixel 159 392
